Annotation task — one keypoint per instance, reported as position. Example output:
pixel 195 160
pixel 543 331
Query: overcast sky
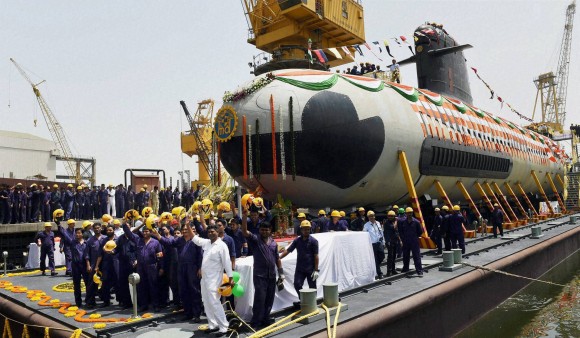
pixel 116 70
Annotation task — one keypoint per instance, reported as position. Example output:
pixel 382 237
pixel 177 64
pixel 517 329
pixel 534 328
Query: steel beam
pixel 535 177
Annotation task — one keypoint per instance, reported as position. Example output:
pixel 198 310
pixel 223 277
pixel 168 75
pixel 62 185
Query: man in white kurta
pixel 111 210
pixel 216 259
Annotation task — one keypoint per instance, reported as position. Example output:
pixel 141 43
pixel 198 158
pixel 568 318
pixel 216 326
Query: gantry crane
pixel 77 168
pixel 290 29
pixel 553 88
pixel 199 140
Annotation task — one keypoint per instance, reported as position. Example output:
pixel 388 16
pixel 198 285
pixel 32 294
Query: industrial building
pixel 26 156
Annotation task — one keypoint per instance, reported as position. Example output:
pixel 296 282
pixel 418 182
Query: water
pixel 539 310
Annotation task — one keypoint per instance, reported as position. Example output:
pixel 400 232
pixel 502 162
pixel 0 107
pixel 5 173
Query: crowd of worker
pixel 375 70
pixel 20 204
pixel 188 251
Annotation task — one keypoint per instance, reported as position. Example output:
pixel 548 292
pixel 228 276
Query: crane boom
pixel 54 128
pixel 564 63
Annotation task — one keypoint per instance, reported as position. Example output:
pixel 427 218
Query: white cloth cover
pixel 345 258
pixel 34 255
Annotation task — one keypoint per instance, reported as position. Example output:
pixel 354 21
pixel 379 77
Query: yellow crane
pixel 290 29
pixel 77 168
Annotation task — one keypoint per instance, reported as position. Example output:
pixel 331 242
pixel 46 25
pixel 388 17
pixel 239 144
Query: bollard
pixel 307 301
pixel 5 255
pixel 134 279
pixel 573 219
pixel 330 297
pixel 456 256
pixel 536 232
pixel 448 259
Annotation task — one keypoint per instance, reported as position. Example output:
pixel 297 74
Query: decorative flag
pixel 347 51
pixel 367 45
pixel 411 49
pixel 379 46
pixel 318 54
pixel 500 100
pixel 323 55
pixel 388 48
pixel 310 50
pixel 474 69
pixel 335 53
pixel 397 41
pixel 404 39
pixel 357 47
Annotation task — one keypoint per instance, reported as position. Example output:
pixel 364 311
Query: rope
pixel 270 329
pixel 7 333
pixel 511 274
pixel 328 326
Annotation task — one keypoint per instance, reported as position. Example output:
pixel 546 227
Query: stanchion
pixel 5 256
pixel 134 279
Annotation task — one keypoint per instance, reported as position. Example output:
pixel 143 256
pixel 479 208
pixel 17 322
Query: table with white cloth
pixel 34 255
pixel 345 258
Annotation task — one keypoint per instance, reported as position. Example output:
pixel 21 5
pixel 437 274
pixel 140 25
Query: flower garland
pixel 258 163
pixel 253 87
pixel 250 162
pixel 292 139
pixel 282 152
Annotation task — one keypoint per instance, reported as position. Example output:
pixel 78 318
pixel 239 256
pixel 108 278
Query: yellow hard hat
pixel 106 218
pixel 409 209
pixel 322 212
pixel 48 224
pixel 117 222
pixel 247 201
pixel 69 185
pixel 456 208
pixel 152 219
pixel 195 206
pixel 301 215
pixel 259 202
pixel 142 189
pixel 110 185
pixel 97 278
pixel 305 224
pixel 33 185
pixel 87 224
pixel 162 189
pixel 79 187
pixel 178 212
pixel 57 213
pixel 206 205
pixel 224 206
pixel 110 246
pixel 70 221
pixel 55 186
pixel 131 214
pixel 145 186
pixel 391 213
pixel 370 213
pixel 342 213
pixel 335 213
pixel 496 205
pixel 146 211
pixel 445 208
pixel 166 216
pixel 437 209
pixel 396 207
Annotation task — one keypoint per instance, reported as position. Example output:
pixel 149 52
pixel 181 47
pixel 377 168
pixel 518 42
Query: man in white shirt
pixel 111 210
pixel 375 230
pixel 216 259
pixel 395 74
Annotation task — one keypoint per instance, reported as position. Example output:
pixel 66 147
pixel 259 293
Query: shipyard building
pixel 26 156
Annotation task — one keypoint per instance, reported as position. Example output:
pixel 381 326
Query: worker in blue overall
pixel 456 228
pixel 307 260
pixel 68 201
pixel 149 257
pixel 392 240
pixel 45 240
pixel 189 271
pixel 146 196
pixel 46 204
pixel 497 220
pixel 55 199
pixel 35 201
pixel 240 242
pixel 106 263
pixel 435 234
pixel 445 227
pixel 410 229
pixel 336 224
pixel 126 250
pixel 79 203
pixel 266 263
pixel 321 223
pixel 65 247
pixel 78 268
pixel 92 254
pixel 5 204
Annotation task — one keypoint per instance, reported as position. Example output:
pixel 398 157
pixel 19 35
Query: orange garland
pixel 274 170
pixel 244 151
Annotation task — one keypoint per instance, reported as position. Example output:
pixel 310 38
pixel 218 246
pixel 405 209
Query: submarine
pixel 325 139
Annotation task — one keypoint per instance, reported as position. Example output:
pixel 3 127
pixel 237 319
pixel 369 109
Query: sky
pixel 115 71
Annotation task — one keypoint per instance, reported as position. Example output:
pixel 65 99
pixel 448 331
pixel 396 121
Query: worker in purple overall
pixel 445 228
pixel 240 242
pixel 321 223
pixel 149 257
pixel 79 203
pixel 24 206
pixel 87 212
pixel 146 196
pixel 92 254
pixel 176 197
pixel 46 204
pixel 139 200
pixel 120 196
pixel 35 200
pixel 266 263
pixel 342 222
pixel 45 240
pixel 336 224
pixel 130 198
pixel 65 247
pixel 106 263
pixel 68 201
pixel 392 240
pixel 359 222
pixel 307 261
pixel 497 220
pixel 456 228
pixel 103 198
pixel 55 198
pixel 189 271
pixel 78 268
pixel 5 204
pixel 410 229
pixel 126 250
pixel 435 234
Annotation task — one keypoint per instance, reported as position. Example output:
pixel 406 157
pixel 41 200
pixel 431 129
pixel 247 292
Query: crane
pixel 74 166
pixel 553 88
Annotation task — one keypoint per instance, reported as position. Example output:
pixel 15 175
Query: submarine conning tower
pixel 440 63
